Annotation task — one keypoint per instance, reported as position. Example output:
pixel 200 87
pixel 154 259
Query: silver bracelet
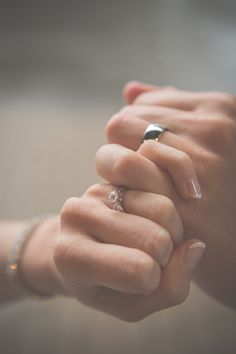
pixel 13 267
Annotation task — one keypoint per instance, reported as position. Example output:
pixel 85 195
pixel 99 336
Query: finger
pixel 127 127
pixel 156 208
pixel 178 164
pixel 151 113
pixel 114 227
pixel 183 100
pixel 173 290
pixel 177 275
pixel 86 262
pixel 134 88
pixel 122 166
pixel 201 101
pixel 126 130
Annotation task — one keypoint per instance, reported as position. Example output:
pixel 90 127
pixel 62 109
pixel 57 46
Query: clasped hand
pixel 180 193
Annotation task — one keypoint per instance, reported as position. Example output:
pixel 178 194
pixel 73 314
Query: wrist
pixel 8 234
pixel 37 266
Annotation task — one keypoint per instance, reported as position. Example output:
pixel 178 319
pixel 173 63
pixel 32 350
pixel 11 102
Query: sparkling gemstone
pixel 113 197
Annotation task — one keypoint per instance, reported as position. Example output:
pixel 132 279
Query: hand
pixel 203 126
pixel 127 264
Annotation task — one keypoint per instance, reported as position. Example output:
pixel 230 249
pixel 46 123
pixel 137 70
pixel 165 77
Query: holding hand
pixel 128 264
pixel 203 127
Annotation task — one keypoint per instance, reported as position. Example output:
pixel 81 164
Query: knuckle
pixel 148 149
pixel 76 209
pixel 101 157
pixel 222 101
pixel 117 124
pixel 72 259
pixel 163 211
pixel 114 126
pixel 168 217
pixel 182 159
pixel 69 208
pixel 224 126
pixel 220 132
pixel 167 210
pixel 61 253
pixel 221 125
pixel 124 163
pixel 145 273
pixel 94 191
pixel 159 245
pixel 153 207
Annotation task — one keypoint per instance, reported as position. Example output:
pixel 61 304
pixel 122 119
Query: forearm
pixel 36 266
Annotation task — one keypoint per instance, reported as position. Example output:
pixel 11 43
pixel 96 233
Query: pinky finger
pixel 134 88
pixel 177 163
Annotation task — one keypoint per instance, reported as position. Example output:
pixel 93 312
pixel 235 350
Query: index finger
pixel 122 166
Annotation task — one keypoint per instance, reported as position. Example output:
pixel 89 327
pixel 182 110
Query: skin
pixel 203 126
pixel 128 265
pixel 135 263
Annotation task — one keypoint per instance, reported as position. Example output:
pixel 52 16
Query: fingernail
pixel 194 254
pixel 193 188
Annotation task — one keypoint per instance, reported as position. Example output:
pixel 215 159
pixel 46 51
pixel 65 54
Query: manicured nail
pixel 193 188
pixel 194 254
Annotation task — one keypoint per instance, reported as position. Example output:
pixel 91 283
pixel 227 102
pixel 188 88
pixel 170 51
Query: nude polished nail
pixel 194 254
pixel 193 188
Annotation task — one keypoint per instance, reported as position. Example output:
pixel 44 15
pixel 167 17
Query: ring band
pixel 115 197
pixel 153 132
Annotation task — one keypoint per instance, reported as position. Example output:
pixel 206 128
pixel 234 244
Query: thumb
pixel 134 88
pixel 177 275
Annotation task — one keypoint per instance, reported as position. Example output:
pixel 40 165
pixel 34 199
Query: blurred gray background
pixel 62 68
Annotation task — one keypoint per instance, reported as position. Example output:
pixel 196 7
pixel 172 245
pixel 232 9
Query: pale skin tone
pixel 135 263
pixel 126 264
pixel 202 125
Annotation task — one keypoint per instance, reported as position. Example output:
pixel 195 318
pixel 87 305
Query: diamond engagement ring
pixel 115 197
